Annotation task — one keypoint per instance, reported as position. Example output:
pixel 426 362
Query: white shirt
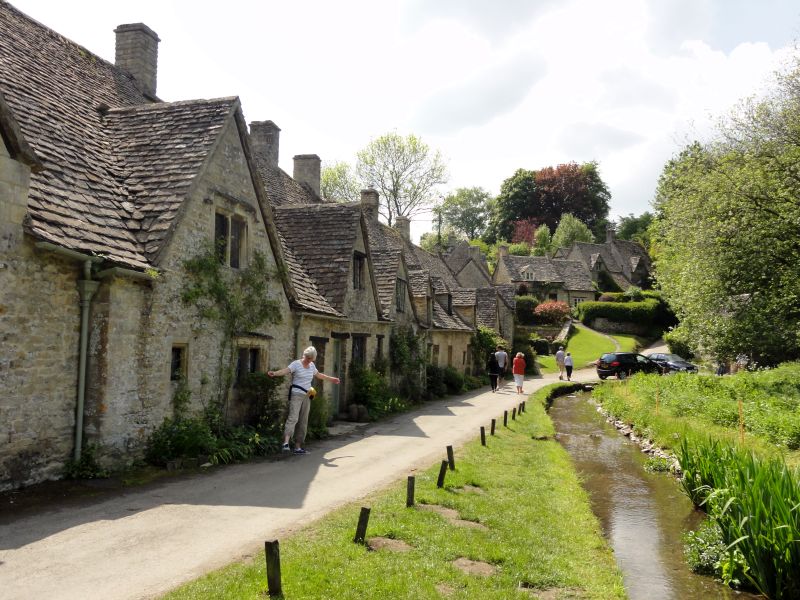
pixel 568 361
pixel 502 358
pixel 301 375
pixel 560 356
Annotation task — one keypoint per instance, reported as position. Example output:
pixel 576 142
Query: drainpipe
pixel 86 288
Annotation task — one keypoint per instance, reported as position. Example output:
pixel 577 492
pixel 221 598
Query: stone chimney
pixel 502 250
pixel 403 225
pixel 611 233
pixel 369 204
pixel 137 53
pixel 265 138
pixel 307 170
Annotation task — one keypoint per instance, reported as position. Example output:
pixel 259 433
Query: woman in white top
pixel 568 366
pixel 303 373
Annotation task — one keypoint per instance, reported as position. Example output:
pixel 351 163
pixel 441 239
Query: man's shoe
pixel 285 448
pixel 300 451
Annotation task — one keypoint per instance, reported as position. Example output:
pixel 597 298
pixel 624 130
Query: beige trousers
pixel 297 421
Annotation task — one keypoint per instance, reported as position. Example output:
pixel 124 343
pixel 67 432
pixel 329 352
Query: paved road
pixel 145 542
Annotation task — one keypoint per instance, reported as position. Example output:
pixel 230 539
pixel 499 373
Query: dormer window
pixel 359 261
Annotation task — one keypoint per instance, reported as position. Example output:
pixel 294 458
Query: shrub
pixel 318 417
pixel 369 389
pixel 86 467
pixel 185 437
pixel 679 342
pixel 484 341
pixel 520 249
pixel 634 294
pixel 453 380
pixel 539 344
pixel 643 313
pixel 435 381
pixel 259 393
pixel 525 309
pixel 552 312
pixel 612 297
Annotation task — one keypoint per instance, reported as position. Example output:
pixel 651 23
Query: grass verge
pixel 539 533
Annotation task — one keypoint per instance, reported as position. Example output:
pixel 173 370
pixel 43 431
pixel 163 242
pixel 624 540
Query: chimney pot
pixel 307 169
pixel 137 53
pixel 265 138
pixel 611 233
pixel 369 203
pixel 502 250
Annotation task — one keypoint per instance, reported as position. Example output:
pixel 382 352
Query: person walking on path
pixel 568 364
pixel 303 371
pixel 560 362
pixel 518 370
pixel 502 361
pixel 494 371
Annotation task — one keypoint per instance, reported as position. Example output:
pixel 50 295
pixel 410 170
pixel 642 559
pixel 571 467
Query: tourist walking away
pixel 518 370
pixel 502 361
pixel 568 366
pixel 494 371
pixel 303 371
pixel 560 362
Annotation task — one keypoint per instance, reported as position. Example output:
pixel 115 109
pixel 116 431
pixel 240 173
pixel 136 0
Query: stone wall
pixel 452 348
pixel 607 326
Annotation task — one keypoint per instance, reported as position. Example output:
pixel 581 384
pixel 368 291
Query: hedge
pixel 646 312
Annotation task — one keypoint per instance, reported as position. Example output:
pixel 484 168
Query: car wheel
pixel 621 375
pixel 603 377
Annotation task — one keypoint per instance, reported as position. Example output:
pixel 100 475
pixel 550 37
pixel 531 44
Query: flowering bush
pixel 552 312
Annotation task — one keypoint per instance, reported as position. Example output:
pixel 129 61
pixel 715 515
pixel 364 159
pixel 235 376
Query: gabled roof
pixel 282 189
pixel 306 294
pixel 386 250
pixel 420 282
pixel 486 307
pixel 463 297
pixel 322 238
pixel 443 320
pixel 115 165
pixel 462 254
pixel 572 274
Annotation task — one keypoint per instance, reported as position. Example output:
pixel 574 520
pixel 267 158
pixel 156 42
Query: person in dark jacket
pixel 493 367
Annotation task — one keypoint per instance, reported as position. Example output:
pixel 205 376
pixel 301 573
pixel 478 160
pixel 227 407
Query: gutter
pixel 87 288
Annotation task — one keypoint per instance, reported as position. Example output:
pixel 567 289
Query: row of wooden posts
pixel 272 547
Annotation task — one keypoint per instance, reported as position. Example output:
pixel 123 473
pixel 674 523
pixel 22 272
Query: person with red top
pixel 518 370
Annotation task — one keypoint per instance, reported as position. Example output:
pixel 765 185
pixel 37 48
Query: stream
pixel 643 514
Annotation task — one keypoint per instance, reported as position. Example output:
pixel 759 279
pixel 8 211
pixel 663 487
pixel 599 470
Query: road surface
pixel 144 542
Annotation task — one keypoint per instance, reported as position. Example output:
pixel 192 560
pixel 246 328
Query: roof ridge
pixel 164 105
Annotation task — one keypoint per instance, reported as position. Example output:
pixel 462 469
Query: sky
pixel 494 85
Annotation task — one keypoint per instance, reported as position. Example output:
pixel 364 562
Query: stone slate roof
pixel 282 189
pixel 17 145
pixel 442 320
pixel 82 116
pixel 417 258
pixel 572 274
pixel 507 294
pixel 463 296
pixel 462 254
pixel 307 295
pixel 322 238
pixel 386 251
pixel 419 281
pixel 486 307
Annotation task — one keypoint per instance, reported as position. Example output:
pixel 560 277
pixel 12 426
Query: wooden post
pixel 519 410
pixel 361 529
pixel 505 418
pixel 451 460
pixel 524 406
pixel 442 472
pixel 657 402
pixel 410 491
pixel 514 414
pixel 273 554
pixel 493 425
pixel 483 435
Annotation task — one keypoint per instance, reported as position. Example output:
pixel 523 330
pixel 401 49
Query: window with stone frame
pixel 359 262
pixel 379 348
pixel 400 288
pixel 178 364
pixel 576 301
pixel 250 359
pixel 359 350
pixel 435 355
pixel 230 239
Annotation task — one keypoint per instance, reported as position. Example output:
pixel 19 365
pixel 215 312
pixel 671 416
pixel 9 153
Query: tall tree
pixel 543 241
pixel 338 182
pixel 635 228
pixel 570 230
pixel 548 193
pixel 727 231
pixel 405 171
pixel 467 210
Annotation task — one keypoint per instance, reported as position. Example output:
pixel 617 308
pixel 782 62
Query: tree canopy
pixel 546 194
pixel 467 210
pixel 635 228
pixel 405 171
pixel 339 183
pixel 726 235
pixel 570 230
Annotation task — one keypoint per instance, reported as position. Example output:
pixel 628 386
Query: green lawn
pixel 586 346
pixel 539 533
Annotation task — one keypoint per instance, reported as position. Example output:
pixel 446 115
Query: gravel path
pixel 144 542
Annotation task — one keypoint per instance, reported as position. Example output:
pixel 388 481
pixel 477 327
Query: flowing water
pixel 643 514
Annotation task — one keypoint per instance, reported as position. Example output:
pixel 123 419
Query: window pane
pixel 176 367
pixel 254 360
pixel 221 236
pixel 237 241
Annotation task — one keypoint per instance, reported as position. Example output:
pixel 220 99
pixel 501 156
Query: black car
pixel 622 364
pixel 672 363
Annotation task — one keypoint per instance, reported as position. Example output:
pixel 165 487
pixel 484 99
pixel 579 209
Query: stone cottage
pixel 553 279
pixel 105 192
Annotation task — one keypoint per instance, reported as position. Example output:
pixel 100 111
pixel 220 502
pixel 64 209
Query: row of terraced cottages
pixel 106 192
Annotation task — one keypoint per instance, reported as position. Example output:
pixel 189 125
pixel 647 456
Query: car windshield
pixel 608 357
pixel 674 358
